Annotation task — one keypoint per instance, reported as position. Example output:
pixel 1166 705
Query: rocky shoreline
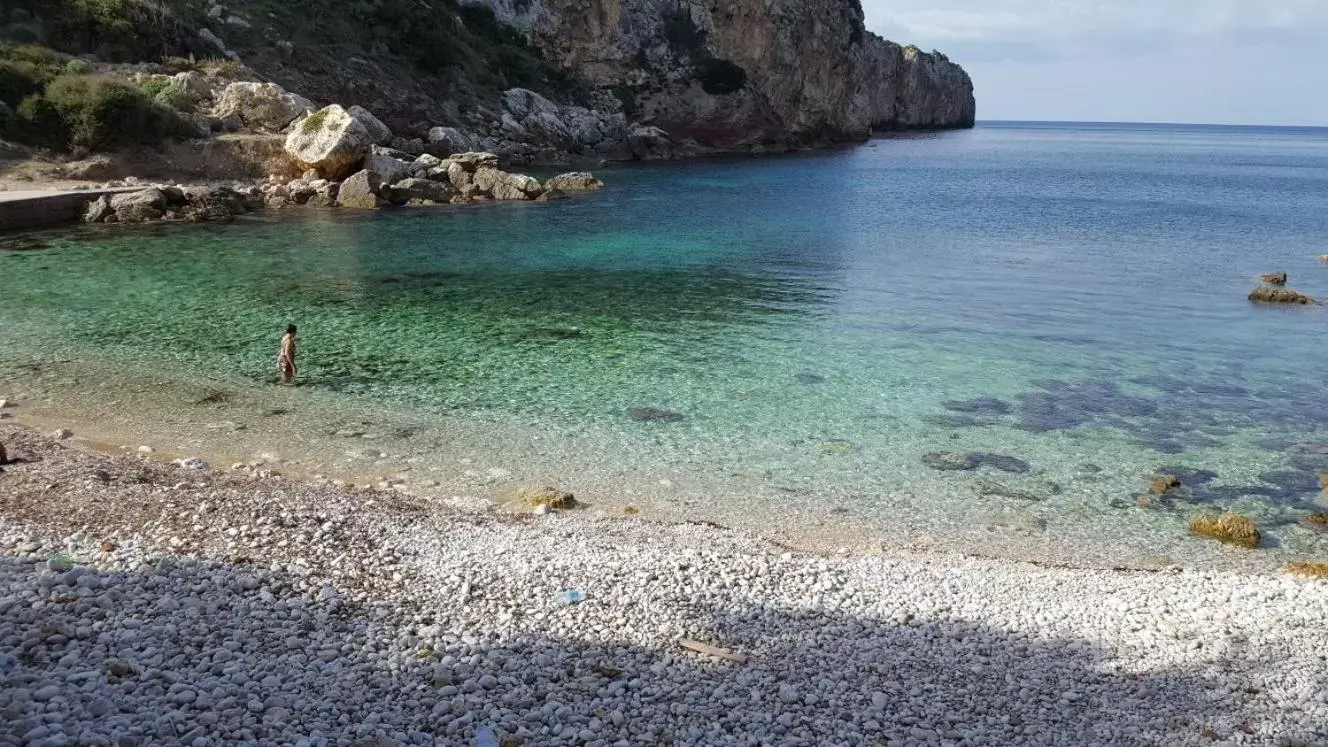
pixel 143 602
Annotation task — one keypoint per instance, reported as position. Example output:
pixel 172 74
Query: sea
pixel 988 341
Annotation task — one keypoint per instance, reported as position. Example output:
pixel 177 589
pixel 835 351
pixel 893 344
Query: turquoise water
pixel 1071 296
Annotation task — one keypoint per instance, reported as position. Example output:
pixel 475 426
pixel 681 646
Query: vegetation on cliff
pixel 412 60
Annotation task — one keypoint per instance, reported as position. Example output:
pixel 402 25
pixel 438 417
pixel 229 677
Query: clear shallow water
pixel 811 325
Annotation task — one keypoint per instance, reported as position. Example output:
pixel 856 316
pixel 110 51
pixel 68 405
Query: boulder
pixel 383 163
pixel 330 141
pixel 360 191
pixel 503 185
pixel 574 181
pixel 1274 294
pixel 379 131
pixel 265 107
pixel 649 142
pixel 414 146
pixel 458 176
pixel 213 204
pixel 98 210
pixel 473 161
pixel 189 87
pixel 450 140
pixel 421 191
pixel 522 103
pixel 1274 278
pixel 139 207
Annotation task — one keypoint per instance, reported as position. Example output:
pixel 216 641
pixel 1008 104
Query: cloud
pixel 1135 60
pixel 1054 21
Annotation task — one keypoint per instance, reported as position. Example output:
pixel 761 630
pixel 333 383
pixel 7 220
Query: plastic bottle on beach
pixel 571 596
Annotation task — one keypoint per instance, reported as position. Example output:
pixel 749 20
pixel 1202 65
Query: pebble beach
pixel 143 602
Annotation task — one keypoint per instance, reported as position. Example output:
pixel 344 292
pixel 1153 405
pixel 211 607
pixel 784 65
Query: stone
pixel 192 463
pixel 330 141
pixel 388 167
pixel 1033 492
pixel 98 210
pixel 654 415
pixel 262 107
pixel 950 461
pixel 361 191
pixel 62 434
pixel 550 195
pixel 473 161
pixel 139 207
pixel 449 140
pixel 421 191
pixel 1229 528
pixel 550 498
pixel 979 406
pixel 1274 278
pixel 574 181
pixel 377 130
pixel 1274 294
pixel 503 185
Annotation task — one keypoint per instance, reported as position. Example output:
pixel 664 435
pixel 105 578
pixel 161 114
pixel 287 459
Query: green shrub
pixel 19 80
pixel 76 67
pixel 92 113
pixel 154 86
pixel 314 122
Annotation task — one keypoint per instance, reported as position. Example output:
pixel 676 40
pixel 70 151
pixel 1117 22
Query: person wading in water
pixel 286 358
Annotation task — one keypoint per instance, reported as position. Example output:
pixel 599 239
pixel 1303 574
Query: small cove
pixel 771 343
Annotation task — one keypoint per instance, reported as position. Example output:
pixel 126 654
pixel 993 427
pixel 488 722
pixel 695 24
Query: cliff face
pixel 731 73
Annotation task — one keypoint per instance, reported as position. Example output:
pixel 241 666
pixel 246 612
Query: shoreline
pixel 441 618
pixel 332 437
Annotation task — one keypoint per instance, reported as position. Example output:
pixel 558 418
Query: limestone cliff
pixel 730 73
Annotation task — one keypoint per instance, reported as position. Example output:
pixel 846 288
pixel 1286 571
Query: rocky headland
pixel 218 90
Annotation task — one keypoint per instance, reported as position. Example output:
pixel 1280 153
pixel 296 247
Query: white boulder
pixel 330 141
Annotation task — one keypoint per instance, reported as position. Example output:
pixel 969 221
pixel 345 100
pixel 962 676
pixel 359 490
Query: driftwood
pixel 706 648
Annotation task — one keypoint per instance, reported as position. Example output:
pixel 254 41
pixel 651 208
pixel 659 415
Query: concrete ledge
pixel 28 211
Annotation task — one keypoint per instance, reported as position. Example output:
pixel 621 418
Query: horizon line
pixel 1153 124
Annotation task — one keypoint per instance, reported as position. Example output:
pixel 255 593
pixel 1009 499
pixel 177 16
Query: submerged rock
pixel 1001 462
pixel 1188 475
pixel 979 406
pixel 548 498
pixel 654 415
pixel 809 378
pixel 1274 278
pixel 1292 481
pixel 950 461
pixel 1229 528
pixel 1274 294
pixel 1037 491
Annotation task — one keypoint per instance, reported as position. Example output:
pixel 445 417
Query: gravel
pixel 144 603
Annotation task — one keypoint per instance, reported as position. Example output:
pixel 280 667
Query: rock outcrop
pixel 745 73
pixel 386 178
pixel 261 107
pixel 331 141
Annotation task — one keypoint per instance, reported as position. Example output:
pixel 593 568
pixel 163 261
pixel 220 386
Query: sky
pixel 1197 61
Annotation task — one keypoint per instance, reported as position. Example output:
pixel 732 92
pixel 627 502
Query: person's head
pixel 290 330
